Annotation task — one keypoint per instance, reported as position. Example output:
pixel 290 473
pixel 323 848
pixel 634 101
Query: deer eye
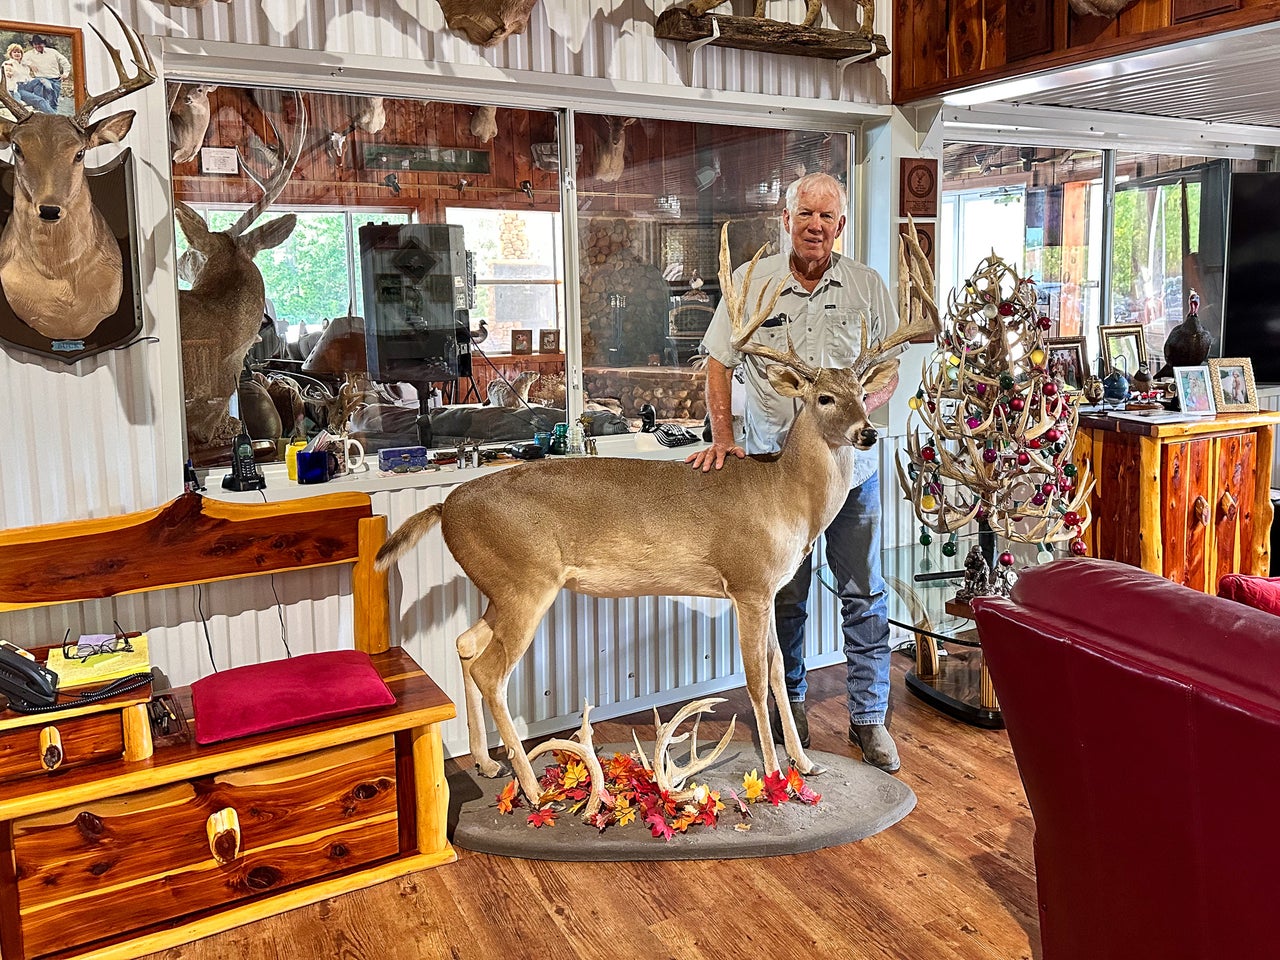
pixel 80 156
pixel 826 398
pixel 17 150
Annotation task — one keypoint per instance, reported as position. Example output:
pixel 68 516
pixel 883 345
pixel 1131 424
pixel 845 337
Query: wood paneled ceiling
pixel 1230 78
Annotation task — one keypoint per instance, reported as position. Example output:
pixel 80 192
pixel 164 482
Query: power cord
pixel 205 624
pixel 284 630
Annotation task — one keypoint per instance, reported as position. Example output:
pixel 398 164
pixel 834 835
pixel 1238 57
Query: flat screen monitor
pixel 417 326
pixel 1252 319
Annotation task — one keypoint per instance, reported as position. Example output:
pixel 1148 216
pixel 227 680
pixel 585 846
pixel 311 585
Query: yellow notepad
pixel 100 667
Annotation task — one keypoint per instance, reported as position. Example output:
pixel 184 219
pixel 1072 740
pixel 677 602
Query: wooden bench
pixel 110 855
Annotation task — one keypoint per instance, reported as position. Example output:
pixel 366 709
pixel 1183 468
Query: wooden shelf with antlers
pixel 769 36
pixel 112 854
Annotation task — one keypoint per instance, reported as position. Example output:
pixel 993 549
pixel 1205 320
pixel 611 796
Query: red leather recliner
pixel 1145 721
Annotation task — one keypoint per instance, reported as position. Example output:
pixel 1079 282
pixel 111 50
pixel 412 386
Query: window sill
pixel 633 446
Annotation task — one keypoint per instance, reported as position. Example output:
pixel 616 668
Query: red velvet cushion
pixel 284 693
pixel 1261 593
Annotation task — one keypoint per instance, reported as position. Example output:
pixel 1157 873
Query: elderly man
pixel 825 298
pixel 49 67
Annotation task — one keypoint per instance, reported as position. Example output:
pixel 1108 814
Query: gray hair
pixel 823 181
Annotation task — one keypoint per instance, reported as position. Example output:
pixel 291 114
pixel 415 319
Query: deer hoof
pixel 491 768
pixel 815 770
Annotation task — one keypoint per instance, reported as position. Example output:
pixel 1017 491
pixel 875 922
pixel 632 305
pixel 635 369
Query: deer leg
pixel 758 13
pixel 510 635
pixel 778 686
pixel 813 10
pixel 470 645
pixel 755 618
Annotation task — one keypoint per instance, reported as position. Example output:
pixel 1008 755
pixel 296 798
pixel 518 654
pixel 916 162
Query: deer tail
pixel 406 535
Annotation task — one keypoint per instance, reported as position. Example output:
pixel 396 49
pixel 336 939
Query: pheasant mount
pixel 111 187
pixel 769 36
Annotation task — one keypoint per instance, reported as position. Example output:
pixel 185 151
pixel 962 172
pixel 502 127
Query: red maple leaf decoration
pixel 776 790
pixel 545 817
pixel 658 824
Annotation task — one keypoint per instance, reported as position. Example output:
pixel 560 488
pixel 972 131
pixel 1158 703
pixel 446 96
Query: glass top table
pixel 949 672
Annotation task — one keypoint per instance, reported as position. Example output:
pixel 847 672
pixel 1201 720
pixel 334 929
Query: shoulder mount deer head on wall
pixel 60 264
pixel 662 527
pixel 221 314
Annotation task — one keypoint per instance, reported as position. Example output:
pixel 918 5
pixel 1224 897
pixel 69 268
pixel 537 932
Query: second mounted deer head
pixel 188 119
pixel 60 264
pixel 221 314
pixel 611 146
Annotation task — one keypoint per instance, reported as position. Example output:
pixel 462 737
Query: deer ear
pixel 880 376
pixel 270 234
pixel 785 380
pixel 110 130
pixel 6 132
pixel 193 226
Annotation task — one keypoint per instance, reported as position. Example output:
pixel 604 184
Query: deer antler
pixel 584 751
pixel 145 76
pixel 917 310
pixel 736 302
pixel 670 776
pixel 290 147
pixel 15 106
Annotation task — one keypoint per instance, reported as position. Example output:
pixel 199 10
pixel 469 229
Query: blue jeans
pixel 853 556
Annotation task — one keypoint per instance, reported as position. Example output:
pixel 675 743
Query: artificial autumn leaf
pixel 687 816
pixel 658 824
pixel 621 767
pixel 743 810
pixel 624 812
pixel 509 798
pixel 551 796
pixel 775 788
pixel 752 786
pixel 575 774
pixel 545 817
pixel 794 780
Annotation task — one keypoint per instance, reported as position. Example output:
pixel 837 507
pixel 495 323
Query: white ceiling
pixel 1230 79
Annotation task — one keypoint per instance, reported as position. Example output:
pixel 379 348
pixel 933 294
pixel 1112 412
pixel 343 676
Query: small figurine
pixel 977 576
pixel 1002 581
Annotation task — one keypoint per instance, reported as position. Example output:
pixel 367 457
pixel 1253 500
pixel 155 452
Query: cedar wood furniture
pixel 112 854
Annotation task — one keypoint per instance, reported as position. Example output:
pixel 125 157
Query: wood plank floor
pixel 953 881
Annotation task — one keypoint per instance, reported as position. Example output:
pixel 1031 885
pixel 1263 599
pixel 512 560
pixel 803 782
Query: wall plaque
pixel 1029 28
pixel 918 195
pixel 1184 10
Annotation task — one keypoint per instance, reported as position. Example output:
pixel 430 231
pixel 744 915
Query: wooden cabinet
pixel 125 849
pixel 1189 501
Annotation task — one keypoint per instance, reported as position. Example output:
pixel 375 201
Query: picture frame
pixel 918 187
pixel 1234 390
pixel 1195 391
pixel 521 342
pixel 1126 340
pixel 68 42
pixel 1068 358
pixel 548 341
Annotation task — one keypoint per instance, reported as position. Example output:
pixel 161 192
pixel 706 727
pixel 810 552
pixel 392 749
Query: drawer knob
pixel 51 753
pixel 1200 510
pixel 1227 504
pixel 223 829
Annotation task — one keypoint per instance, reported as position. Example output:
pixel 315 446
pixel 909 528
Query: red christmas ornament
pixel 1050 389
pixel 1034 443
pixel 1052 434
pixel 1005 308
pixel 1071 518
pixel 1044 322
pixel 1006 559
pixel 927 453
pixel 1048 487
pixel 1023 458
pixel 1017 403
pixel 1078 547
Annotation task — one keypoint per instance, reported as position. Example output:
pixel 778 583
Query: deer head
pixel 221 313
pixel 611 134
pixel 484 123
pixel 60 264
pixel 188 119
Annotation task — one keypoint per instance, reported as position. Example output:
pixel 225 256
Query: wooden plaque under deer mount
pixel 1028 28
pixel 112 188
pixel 1184 10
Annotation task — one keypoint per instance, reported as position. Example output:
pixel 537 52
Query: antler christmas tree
pixel 991 433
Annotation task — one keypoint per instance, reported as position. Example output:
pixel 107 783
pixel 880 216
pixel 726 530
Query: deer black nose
pixel 50 213
pixel 868 435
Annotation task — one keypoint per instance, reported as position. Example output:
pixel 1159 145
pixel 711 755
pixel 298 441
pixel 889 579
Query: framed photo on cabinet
pixel 1233 388
pixel 548 341
pixel 521 341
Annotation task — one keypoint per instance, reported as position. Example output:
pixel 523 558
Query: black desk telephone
pixel 23 680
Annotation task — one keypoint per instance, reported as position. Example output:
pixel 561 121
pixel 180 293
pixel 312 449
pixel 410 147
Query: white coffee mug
pixel 349 453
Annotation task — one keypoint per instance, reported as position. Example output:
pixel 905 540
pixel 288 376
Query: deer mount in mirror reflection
pixel 60 265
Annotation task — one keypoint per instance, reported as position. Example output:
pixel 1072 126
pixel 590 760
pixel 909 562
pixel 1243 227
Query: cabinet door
pixel 1233 504
pixel 1186 511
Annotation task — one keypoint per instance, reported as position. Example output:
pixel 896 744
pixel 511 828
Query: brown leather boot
pixel 798 714
pixel 878 748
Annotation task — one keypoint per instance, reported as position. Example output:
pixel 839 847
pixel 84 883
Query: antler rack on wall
pixel 770 36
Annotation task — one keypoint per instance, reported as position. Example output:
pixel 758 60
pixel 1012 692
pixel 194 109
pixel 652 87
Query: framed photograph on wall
pixel 1195 391
pixel 1233 388
pixel 1123 340
pixel 43 66
pixel 548 341
pixel 1067 359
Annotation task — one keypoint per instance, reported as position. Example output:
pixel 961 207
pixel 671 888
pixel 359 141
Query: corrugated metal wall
pixel 103 437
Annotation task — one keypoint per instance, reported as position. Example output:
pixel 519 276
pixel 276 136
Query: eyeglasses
pixel 83 649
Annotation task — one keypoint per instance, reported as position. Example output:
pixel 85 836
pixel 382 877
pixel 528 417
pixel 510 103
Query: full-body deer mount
pixel 221 313
pixel 60 264
pixel 521 534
